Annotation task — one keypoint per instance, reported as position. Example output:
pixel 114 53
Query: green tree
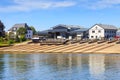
pixel 1 40
pixel 21 33
pixel 33 29
pixel 2 27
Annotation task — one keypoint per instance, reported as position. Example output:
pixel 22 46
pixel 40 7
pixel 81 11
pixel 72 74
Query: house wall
pixel 59 32
pixel 96 32
pixel 118 33
pixel 29 34
pixel 110 33
pixel 79 36
pixel 12 35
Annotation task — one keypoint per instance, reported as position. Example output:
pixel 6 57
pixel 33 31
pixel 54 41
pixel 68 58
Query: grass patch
pixel 4 45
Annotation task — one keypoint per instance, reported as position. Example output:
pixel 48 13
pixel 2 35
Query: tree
pixel 1 40
pixel 2 27
pixel 21 32
pixel 33 29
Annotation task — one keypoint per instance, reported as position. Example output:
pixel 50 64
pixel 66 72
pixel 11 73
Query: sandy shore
pixel 71 48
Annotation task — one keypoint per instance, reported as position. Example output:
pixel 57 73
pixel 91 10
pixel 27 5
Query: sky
pixel 44 14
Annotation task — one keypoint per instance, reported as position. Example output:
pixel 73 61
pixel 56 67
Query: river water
pixel 59 66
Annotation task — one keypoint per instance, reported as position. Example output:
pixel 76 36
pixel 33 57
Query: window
pixel 93 31
pixel 27 36
pixel 99 31
pixel 14 29
pixel 110 31
pixel 96 37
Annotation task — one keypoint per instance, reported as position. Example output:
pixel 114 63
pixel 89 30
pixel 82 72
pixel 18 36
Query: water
pixel 59 66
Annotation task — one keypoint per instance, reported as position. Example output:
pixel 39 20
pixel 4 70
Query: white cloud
pixel 28 5
pixel 101 4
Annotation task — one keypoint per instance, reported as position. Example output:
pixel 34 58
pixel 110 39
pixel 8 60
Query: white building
pixel 14 29
pixel 118 33
pixel 99 31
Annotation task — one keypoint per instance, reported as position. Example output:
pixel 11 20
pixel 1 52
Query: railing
pixel 53 42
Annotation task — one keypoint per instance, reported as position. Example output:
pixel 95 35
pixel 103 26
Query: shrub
pixel 22 38
pixel 10 42
pixel 1 40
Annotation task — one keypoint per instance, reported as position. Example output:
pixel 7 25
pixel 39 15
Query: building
pixel 102 31
pixel 81 33
pixel 118 34
pixel 62 31
pixel 2 32
pixel 14 29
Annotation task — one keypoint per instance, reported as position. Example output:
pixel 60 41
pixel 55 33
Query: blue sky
pixel 43 14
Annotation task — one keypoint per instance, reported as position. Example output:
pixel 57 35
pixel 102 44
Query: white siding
pixel 118 33
pixel 29 34
pixel 96 32
pixel 13 35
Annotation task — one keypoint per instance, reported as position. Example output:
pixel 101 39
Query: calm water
pixel 59 67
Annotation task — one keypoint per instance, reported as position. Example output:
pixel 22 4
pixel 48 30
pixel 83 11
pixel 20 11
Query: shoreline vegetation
pixel 100 48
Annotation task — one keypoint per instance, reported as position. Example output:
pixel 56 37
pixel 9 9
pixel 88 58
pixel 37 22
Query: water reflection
pixel 97 66
pixel 59 67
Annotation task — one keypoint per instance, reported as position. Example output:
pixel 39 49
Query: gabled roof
pixel 67 26
pixel 19 26
pixel 44 32
pixel 79 30
pixel 105 26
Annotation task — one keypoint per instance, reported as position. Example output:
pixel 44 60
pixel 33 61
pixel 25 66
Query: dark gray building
pixel 65 32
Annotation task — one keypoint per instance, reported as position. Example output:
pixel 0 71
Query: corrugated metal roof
pixel 43 32
pixel 79 30
pixel 68 26
pixel 82 29
pixel 105 26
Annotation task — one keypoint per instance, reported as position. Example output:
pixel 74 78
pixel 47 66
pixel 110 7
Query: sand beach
pixel 103 48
